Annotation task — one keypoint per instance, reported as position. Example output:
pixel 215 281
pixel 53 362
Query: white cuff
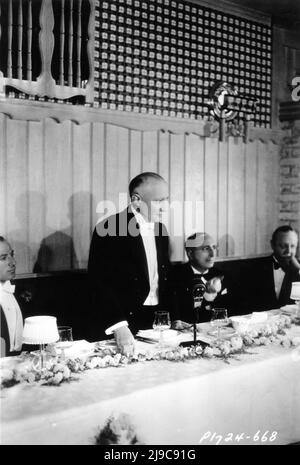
pixel 112 328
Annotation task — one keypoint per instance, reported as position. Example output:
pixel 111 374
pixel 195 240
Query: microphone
pixel 198 292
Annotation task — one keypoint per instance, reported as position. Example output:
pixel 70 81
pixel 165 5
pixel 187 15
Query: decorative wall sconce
pixel 225 104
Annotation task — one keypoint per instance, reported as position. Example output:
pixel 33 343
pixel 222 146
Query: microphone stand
pixel 198 293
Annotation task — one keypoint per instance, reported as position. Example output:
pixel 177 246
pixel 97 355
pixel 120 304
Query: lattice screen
pixel 162 56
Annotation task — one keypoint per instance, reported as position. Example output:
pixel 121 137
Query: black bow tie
pixel 276 265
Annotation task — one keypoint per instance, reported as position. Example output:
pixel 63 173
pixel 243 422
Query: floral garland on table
pixel 61 371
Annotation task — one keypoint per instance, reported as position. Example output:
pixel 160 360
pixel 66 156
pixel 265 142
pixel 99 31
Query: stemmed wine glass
pixel 161 323
pixel 295 295
pixel 219 319
pixel 65 339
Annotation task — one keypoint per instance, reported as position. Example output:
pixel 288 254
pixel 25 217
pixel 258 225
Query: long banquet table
pixel 174 403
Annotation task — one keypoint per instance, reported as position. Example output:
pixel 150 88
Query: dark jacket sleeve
pixel 106 308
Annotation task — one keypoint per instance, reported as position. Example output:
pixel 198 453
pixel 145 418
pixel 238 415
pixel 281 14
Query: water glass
pixel 65 339
pixel 161 322
pixel 219 319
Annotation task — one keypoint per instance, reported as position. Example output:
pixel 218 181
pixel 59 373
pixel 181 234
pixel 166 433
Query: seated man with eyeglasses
pixel 196 278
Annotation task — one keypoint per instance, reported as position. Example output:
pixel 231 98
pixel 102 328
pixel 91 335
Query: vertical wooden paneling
pixel 3 176
pixel 236 204
pixel 269 192
pixel 97 161
pixel 117 159
pixel 36 194
pixel 164 155
pixel 55 175
pixel 58 191
pixel 273 193
pixel 222 237
pixel 135 161
pixel 194 185
pixel 250 197
pixel 81 197
pixel 17 191
pixel 149 154
pixel 177 189
pixel 211 186
pixel 263 185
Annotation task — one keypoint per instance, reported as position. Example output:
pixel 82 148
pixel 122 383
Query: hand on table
pixel 180 325
pixel 124 340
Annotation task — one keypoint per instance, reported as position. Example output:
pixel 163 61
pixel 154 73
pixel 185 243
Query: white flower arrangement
pixel 63 371
pixel 118 430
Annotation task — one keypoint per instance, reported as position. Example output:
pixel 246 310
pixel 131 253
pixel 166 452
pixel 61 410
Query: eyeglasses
pixel 208 248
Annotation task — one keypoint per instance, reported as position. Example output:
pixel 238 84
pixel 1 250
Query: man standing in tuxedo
pixel 128 264
pixel 198 275
pixel 271 285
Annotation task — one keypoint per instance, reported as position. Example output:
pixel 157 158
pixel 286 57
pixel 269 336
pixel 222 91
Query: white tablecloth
pixel 171 403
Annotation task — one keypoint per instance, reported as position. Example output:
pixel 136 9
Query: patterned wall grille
pixel 161 57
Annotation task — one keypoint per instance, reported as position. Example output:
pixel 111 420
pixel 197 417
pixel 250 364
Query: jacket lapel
pixel 137 245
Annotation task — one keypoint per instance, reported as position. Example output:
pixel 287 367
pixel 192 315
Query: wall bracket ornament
pixel 226 105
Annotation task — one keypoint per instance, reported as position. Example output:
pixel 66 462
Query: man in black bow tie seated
pixel 270 286
pixel 198 285
pixel 11 320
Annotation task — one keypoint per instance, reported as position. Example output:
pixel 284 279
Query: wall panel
pixel 17 190
pixel 236 192
pixel 211 186
pixel 55 177
pixel 194 184
pixel 3 176
pixel 251 199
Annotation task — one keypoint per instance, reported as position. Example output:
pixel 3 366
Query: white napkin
pixel 152 334
pixel 79 348
pixel 258 317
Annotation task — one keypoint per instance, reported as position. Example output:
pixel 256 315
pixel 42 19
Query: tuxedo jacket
pixel 118 272
pixel 260 289
pixel 5 335
pixel 182 278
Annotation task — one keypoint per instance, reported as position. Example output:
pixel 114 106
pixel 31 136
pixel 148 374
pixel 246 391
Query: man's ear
pixel 135 197
pixel 189 253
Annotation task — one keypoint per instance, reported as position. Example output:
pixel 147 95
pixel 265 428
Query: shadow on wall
pixel 30 213
pixel 57 249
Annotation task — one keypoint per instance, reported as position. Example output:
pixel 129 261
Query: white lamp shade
pixel 295 293
pixel 40 330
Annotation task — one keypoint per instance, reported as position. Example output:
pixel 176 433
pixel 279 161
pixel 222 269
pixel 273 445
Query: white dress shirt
pixel 12 314
pixel 148 237
pixel 278 279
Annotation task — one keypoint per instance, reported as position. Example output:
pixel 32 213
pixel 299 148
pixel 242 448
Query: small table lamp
pixel 40 330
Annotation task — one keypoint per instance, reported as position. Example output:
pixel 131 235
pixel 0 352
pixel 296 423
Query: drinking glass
pixel 219 319
pixel 295 295
pixel 65 339
pixel 161 323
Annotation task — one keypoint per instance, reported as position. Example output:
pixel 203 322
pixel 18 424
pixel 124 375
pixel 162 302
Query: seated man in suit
pixel 11 321
pixel 271 286
pixel 198 274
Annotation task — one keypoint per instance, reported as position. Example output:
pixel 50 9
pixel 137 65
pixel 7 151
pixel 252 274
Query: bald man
pixel 199 272
pixel 128 264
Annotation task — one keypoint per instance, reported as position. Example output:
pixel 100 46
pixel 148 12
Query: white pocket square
pixel 224 292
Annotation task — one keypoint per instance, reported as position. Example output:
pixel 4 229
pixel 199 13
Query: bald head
pixel 149 195
pixel 201 251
